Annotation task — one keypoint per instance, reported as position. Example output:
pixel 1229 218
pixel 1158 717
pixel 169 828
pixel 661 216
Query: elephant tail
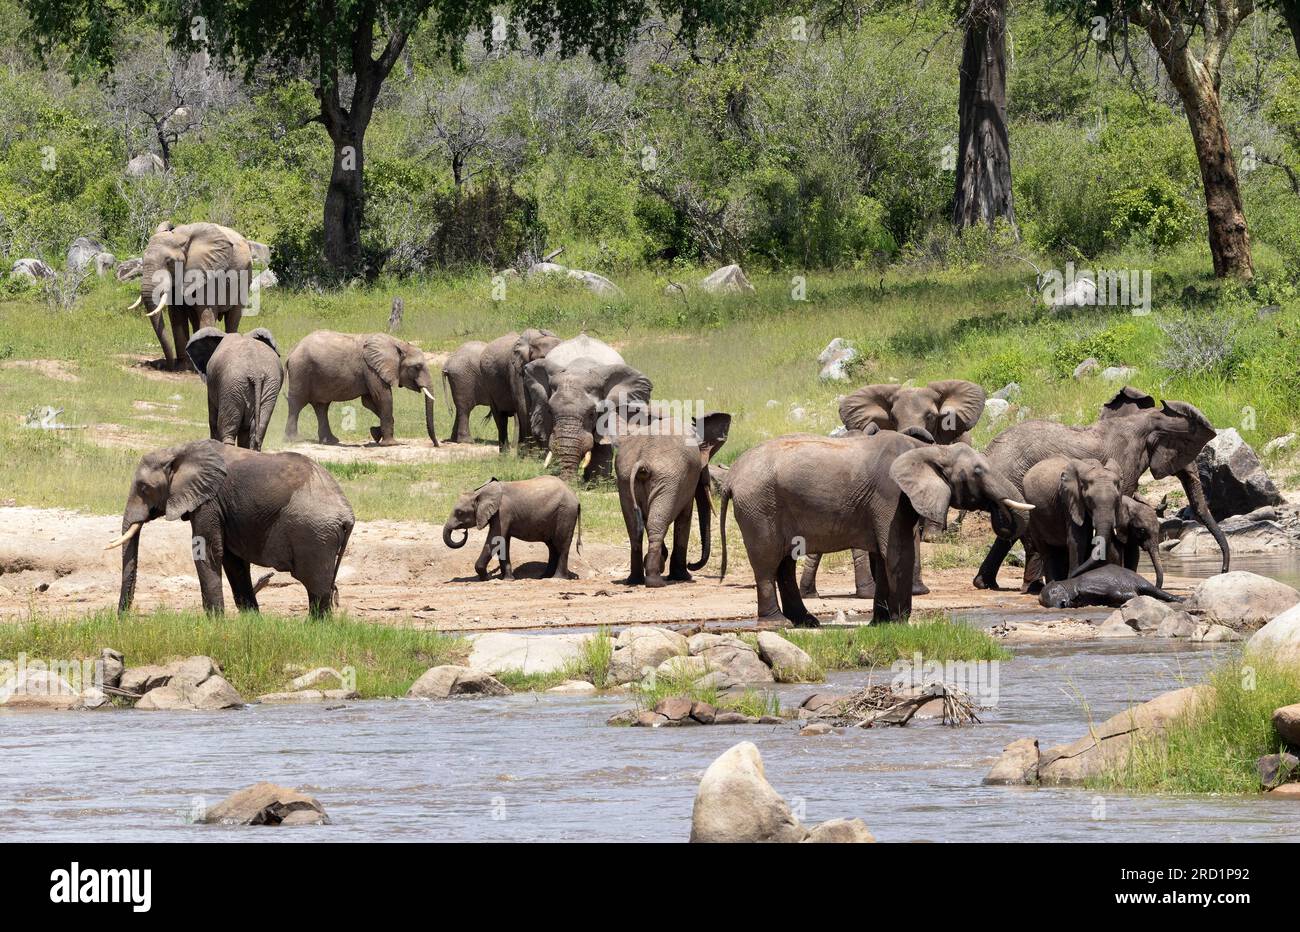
pixel 446 398
pixel 255 427
pixel 636 502
pixel 338 562
pixel 579 528
pixel 722 530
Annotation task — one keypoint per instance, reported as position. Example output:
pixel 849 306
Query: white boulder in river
pixel 1241 599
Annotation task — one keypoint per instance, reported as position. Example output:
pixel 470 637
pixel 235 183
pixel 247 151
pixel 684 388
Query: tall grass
pixel 933 635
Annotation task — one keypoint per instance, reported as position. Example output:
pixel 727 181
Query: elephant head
pixel 944 410
pixel 1139 529
pixel 171 482
pixel 472 510
pixel 399 364
pixel 205 342
pixel 1092 496
pixel 531 346
pixel 571 402
pixel 938 477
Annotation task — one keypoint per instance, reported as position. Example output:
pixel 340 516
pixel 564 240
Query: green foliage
pixel 1117 345
pixel 934 635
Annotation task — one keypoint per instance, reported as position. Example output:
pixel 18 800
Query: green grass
pixel 591 664
pixel 931 634
pixel 256 652
pixel 1213 749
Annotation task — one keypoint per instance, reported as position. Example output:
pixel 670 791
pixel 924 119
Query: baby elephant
pixel 542 509
pixel 1107 585
pixel 1138 530
pixel 244 376
pixel 1076 513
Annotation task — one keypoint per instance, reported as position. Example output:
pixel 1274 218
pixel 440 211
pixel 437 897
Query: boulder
pixel 789 663
pixel 1276 769
pixel 704 713
pixel 260 251
pixel 194 670
pixel 1178 625
pixel 321 676
pixel 146 163
pixel 1244 534
pixel 47 690
pixel 1233 477
pixel 263 281
pixel 1145 613
pixel 815 729
pixel 1286 790
pixel 1116 627
pixel 497 652
pixel 1086 368
pixel 1118 373
pixel 1210 634
pixel 648 718
pixel 545 269
pixel 301 696
pixel 674 708
pixel 818 701
pixel 642 648
pixel 1280 638
pixel 1241 599
pixel 731 717
pixel 1008 392
pixel 267 804
pixel 449 680
pixel 736 660
pixel 111 666
pixel 836 360
pixel 596 284
pixel 129 270
pixel 1286 722
pixel 727 280
pixel 995 409
pixel 573 688
pixel 1082 292
pixel 180 694
pixel 1017 765
pixel 735 803
pixel 840 831
pixel 83 252
pixel 1278 444
pixel 683 667
pixel 33 269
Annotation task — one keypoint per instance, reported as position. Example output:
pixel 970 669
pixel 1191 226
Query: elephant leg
pixel 207 318
pixel 230 426
pixel 918 585
pixel 599 466
pixel 241 582
pixel 900 563
pixel 808 578
pixel 233 316
pixel 681 539
pixel 503 430
pixel 551 559
pixel 632 521
pixel 864 584
pixel 296 404
pixel 1033 575
pixel 792 605
pixel 657 519
pixel 214 420
pixel 323 432
pixel 560 551
pixel 765 582
pixel 181 336
pixel 207 548
pixel 484 558
pixel 384 408
pixel 987 577
pixel 880 603
pixel 160 331
pixel 507 571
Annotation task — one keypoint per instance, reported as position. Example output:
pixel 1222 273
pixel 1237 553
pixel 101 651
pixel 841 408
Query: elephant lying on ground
pixel 812 494
pixel 200 273
pixel 492 374
pixel 543 509
pixel 1076 514
pixel 243 376
pixel 274 509
pixel 327 367
pixel 662 467
pixel 1131 433
pixel 1107 585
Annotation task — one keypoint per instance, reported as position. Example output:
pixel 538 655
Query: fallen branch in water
pixel 881 705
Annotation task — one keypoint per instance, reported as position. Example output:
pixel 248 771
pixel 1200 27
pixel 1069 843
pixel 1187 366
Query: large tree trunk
pixel 345 199
pixel 983 153
pixel 1290 10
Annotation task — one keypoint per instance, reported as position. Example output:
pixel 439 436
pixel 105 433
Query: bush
pixel 487 225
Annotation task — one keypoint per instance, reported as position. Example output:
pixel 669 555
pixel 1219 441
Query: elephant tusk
pixel 428 395
pixel 1018 506
pixel 138 302
pixel 585 460
pixel 547 463
pixel 159 309
pixel 133 530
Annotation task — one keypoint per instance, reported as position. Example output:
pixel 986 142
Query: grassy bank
pixel 933 635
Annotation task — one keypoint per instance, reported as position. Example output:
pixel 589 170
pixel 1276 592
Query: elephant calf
pixel 274 509
pixel 1139 530
pixel 243 376
pixel 1076 514
pixel 543 509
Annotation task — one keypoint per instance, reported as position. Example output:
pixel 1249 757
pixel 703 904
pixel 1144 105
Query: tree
pixel 347 48
pixel 983 193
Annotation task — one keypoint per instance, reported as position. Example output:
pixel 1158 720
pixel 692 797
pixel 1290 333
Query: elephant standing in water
pixel 492 374
pixel 243 376
pixel 942 412
pixel 274 509
pixel 200 273
pixel 1133 434
pixel 328 366
pixel 804 493
pixel 662 467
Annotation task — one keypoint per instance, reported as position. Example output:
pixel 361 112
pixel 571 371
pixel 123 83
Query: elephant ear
pixel 870 405
pixel 921 474
pixel 211 246
pixel 487 502
pixel 1128 400
pixel 961 403
pixel 197 472
pixel 1175 445
pixel 382 356
pixel 261 333
pixel 201 347
pixel 621 385
pixel 537 383
pixel 1072 491
pixel 712 430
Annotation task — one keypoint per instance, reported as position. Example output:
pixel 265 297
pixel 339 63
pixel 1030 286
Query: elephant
pixel 1076 514
pixel 1133 434
pixel 280 510
pixel 661 468
pixel 200 273
pixel 328 366
pixel 541 509
pixel 1139 530
pixel 823 494
pixel 492 374
pixel 946 411
pixel 575 393
pixel 243 376
pixel 1106 585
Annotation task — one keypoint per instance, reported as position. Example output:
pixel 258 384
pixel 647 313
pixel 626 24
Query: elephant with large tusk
pixel 327 367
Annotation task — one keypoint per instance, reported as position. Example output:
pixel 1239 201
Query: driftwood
pixel 881 705
pixel 553 255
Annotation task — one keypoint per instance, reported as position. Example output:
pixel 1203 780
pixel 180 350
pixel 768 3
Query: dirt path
pixel 52 561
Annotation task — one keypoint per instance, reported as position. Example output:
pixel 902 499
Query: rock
pixel 818 701
pixel 1017 765
pixel 546 268
pixel 1286 790
pixel 691 668
pixel 47 690
pixel 129 270
pixel 195 670
pixel 1086 368
pixel 737 660
pixel 836 360
pixel 719 681
pixel 1178 625
pixel 263 281
pixel 1008 392
pixel 647 718
pixel 260 251
pixel 1276 769
pixel 111 666
pixel 789 663
pixel 815 729
pixel 642 648
pixel 1118 373
pixel 703 713
pixel 317 677
pixel 82 253
pixel 1145 613
pixel 181 694
pixel 735 803
pixel 1082 292
pixel 733 718
pixel 995 409
pixel 1116 627
pixel 1280 638
pixel 840 831
pixel 1109 743
pixel 727 280
pixel 1286 722
pixel 1278 444
pixel 33 269
pixel 626 717
pixel 449 680
pixel 1244 534
pixel 307 696
pixel 1241 599
pixel 267 804
pixel 1233 477
pixel 1210 634
pixel 498 652
pixel 674 708
pixel 142 679
pixel 596 284
pixel 146 163
pixel 573 688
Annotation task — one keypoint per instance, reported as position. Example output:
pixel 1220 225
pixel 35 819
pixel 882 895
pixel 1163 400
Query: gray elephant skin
pixel 542 509
pixel 1076 514
pixel 327 367
pixel 812 494
pixel 1138 531
pixel 243 376
pixel 1106 585
pixel 1132 433
pixel 273 509
pixel 200 274
pixel 576 394
pixel 662 468
pixel 492 375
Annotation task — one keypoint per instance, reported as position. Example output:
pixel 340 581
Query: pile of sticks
pixel 880 705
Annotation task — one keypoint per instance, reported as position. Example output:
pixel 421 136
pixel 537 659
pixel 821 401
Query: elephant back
pixel 584 347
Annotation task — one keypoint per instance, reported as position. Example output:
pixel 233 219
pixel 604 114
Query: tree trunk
pixel 1290 10
pixel 345 199
pixel 983 154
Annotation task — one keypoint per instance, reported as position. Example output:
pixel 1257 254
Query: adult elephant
pixel 327 367
pixel 274 509
pixel 200 274
pixel 575 393
pixel 492 374
pixel 1133 434
pixel 866 492
pixel 243 376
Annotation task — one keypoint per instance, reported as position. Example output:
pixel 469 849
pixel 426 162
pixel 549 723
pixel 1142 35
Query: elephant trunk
pixel 428 416
pixel 130 564
pixel 1191 482
pixel 1152 547
pixel 570 442
pixel 704 508
pixel 451 542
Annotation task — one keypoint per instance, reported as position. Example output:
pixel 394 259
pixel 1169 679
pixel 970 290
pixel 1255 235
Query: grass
pixel 932 634
pixel 591 664
pixel 1213 749
pixel 257 653
pixel 652 690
